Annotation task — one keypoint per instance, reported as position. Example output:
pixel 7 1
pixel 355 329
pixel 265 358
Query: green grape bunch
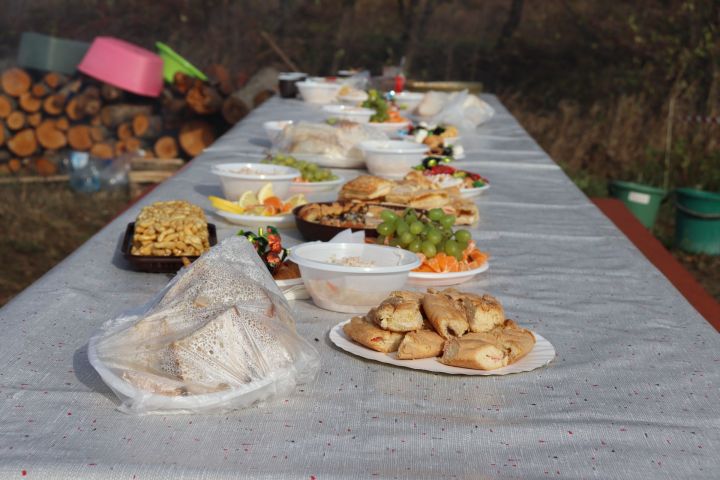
pixel 309 172
pixel 428 233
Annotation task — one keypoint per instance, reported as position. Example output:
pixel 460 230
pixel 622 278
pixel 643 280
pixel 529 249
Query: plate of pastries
pixel 444 331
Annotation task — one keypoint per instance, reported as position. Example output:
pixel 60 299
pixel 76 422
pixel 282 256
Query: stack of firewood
pixel 44 115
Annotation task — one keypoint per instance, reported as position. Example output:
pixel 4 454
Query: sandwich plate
pixel 474 192
pixel 429 279
pixel 542 353
pixel 281 221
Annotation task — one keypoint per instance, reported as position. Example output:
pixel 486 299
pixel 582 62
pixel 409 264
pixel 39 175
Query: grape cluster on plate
pixel 429 233
pixel 310 172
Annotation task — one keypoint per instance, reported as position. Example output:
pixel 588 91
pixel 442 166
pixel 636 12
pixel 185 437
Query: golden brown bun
pixel 397 315
pixel 473 353
pixel 369 335
pixel 420 344
pixel 365 187
pixel 444 315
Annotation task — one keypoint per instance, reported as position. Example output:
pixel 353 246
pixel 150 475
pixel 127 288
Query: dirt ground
pixel 42 224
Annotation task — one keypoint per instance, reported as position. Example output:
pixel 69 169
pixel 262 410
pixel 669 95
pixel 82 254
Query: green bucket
pixel 642 200
pixel 697 221
pixel 173 62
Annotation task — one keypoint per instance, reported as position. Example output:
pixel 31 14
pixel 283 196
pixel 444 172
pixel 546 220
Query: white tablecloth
pixel 633 392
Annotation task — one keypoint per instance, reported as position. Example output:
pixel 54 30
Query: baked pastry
pixel 444 315
pixel 365 187
pixel 465 211
pixel 420 344
pixel 483 312
pixel 473 353
pixel 397 314
pixel 513 339
pixel 369 335
pixel 417 197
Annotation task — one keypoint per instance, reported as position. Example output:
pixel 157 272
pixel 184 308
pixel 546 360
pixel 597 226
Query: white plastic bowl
pixel 408 101
pixel 343 288
pixel 345 112
pixel 274 129
pixel 391 128
pixel 314 187
pixel 320 93
pixel 353 99
pixel 238 178
pixel 392 158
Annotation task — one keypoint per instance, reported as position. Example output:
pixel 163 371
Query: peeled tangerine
pixel 218 337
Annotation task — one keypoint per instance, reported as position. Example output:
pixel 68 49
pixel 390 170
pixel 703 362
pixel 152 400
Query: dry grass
pixel 42 224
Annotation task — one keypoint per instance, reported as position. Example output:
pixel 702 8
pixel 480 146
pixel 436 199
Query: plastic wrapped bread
pixel 461 109
pixel 219 336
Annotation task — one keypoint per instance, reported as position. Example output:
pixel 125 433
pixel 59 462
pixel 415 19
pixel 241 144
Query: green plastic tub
pixel 697 221
pixel 50 54
pixel 642 200
pixel 173 62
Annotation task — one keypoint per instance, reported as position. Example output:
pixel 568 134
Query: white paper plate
pixel 281 221
pixel 542 353
pixel 428 279
pixel 312 187
pixel 293 288
pixel 474 192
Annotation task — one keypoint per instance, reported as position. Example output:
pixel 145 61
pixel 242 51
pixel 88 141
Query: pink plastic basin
pixel 124 65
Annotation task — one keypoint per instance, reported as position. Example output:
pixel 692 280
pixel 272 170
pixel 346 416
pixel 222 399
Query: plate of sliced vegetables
pixel 448 257
pixel 258 209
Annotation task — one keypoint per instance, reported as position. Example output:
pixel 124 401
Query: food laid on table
pixel 326 145
pixel 351 277
pixel 460 329
pixel 264 202
pixel 438 171
pixel 309 172
pixel 440 139
pixel 430 235
pixel 173 228
pixel 216 338
pixel 268 245
pixel 387 115
pixel 238 177
pixel 349 95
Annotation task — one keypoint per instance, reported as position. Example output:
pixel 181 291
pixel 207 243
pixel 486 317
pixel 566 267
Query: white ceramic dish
pixel 542 354
pixel 314 187
pixel 391 158
pixel 238 178
pixel 351 289
pixel 391 129
pixel 408 101
pixel 345 112
pixel 286 220
pixel 320 93
pixel 274 128
pixel 474 192
pixel 428 279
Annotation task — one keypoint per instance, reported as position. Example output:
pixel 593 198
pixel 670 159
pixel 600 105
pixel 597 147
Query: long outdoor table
pixel 632 393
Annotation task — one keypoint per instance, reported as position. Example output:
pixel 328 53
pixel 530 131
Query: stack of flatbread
pixel 463 329
pixel 415 191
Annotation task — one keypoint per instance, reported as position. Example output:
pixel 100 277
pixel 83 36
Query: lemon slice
pixel 265 192
pixel 248 199
pixel 296 200
pixel 225 205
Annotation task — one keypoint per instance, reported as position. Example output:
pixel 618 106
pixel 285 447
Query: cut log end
pixel 16 120
pixel 15 81
pixel 24 143
pixel 166 147
pixel 102 150
pixel 49 136
pixel 79 137
pixel 195 136
pixel 30 103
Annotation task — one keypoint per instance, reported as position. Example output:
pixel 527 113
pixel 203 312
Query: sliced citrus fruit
pixel 296 200
pixel 226 205
pixel 265 192
pixel 248 199
pixel 274 202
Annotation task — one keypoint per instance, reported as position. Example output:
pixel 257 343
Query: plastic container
pixel 697 221
pixel 84 174
pixel 345 112
pixel 392 129
pixel 408 101
pixel 173 63
pixel 352 289
pixel 353 98
pixel 238 178
pixel 51 54
pixel 392 158
pixel 124 65
pixel 320 93
pixel 642 200
pixel 274 128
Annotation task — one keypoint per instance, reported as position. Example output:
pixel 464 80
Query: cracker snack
pixel 173 228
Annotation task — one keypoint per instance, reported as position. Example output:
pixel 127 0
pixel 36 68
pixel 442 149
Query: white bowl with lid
pixel 352 277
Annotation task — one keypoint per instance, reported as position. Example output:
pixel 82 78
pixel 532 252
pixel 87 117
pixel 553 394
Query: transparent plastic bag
pixel 328 146
pixel 218 337
pixel 462 109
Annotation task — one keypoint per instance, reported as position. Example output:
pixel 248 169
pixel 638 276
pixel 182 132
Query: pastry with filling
pixel 514 340
pixel 366 187
pixel 371 336
pixel 420 344
pixel 483 312
pixel 473 353
pixel 398 314
pixel 444 315
pixel 416 197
